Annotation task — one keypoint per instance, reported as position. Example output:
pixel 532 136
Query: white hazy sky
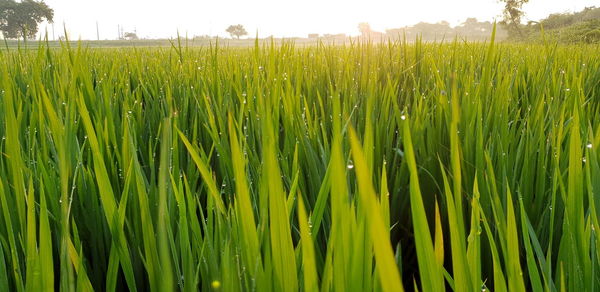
pixel 162 19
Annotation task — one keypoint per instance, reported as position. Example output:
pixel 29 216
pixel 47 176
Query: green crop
pixel 356 167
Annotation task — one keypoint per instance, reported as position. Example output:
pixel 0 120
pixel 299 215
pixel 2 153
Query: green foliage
pixel 360 167
pixel 21 19
pixel 584 32
pixel 562 20
pixel 578 27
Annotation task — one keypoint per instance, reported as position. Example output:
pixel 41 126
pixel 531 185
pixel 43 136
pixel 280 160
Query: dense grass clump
pixel 393 166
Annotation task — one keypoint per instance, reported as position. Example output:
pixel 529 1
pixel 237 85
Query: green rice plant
pixel 278 167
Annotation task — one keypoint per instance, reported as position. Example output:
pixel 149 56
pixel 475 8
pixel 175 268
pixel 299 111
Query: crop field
pixel 358 167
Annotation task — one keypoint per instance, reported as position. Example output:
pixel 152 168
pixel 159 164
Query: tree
pixel 130 36
pixel 365 29
pixel 512 14
pixel 21 19
pixel 237 30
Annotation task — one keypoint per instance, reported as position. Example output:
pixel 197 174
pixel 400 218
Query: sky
pixel 279 18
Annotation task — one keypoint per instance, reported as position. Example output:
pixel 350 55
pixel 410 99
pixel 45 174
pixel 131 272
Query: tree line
pixel 20 19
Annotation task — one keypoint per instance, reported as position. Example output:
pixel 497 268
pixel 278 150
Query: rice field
pixel 358 167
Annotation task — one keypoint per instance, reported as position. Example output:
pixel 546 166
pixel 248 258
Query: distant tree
pixel 589 13
pixel 470 21
pixel 473 26
pixel 130 36
pixel 237 30
pixel 397 33
pixel 335 37
pixel 21 19
pixel 512 15
pixel 432 31
pixel 202 37
pixel 365 29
